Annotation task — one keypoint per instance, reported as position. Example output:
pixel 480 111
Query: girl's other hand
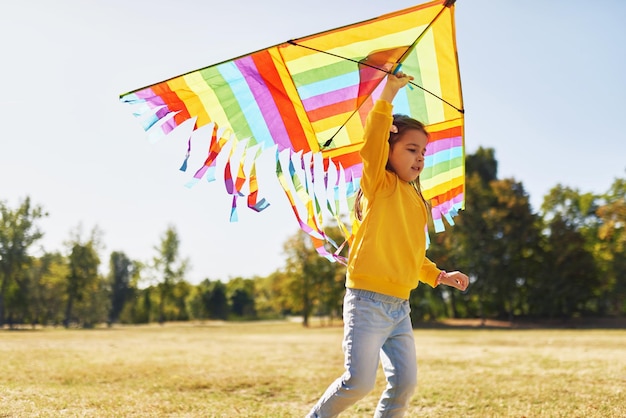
pixel 454 279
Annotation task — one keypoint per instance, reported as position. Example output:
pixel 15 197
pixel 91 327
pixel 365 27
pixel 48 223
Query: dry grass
pixel 279 370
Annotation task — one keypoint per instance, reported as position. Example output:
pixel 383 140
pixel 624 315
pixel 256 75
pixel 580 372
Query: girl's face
pixel 406 155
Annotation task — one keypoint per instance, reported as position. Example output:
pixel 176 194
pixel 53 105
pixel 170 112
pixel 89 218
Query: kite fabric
pixel 306 100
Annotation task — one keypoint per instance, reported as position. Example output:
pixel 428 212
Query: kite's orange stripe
pixel 173 102
pixel 288 114
pixel 446 133
pixel 437 200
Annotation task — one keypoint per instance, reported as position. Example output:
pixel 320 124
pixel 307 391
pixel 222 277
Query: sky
pixel 543 85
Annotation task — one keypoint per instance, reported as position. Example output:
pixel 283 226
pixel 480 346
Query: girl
pixel 387 259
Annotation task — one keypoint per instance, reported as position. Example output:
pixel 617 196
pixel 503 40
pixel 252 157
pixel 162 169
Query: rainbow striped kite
pixel 307 100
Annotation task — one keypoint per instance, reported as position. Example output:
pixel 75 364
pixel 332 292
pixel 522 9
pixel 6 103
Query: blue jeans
pixel 375 326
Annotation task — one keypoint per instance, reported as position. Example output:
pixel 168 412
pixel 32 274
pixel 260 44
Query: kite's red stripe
pixel 288 114
pixel 331 110
pixel 348 160
pixel 173 102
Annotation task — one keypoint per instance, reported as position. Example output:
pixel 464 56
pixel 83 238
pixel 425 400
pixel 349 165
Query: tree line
pixel 566 260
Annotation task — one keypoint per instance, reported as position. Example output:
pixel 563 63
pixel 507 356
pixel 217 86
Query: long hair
pixel 403 123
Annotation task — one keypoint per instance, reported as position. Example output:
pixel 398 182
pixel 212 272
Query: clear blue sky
pixel 544 85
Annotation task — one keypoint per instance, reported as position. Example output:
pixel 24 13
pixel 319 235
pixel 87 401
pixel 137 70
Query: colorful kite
pixel 307 100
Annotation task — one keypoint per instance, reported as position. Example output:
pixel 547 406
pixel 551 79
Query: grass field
pixel 280 369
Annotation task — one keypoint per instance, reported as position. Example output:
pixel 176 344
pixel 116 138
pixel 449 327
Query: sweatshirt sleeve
pixel 375 150
pixel 429 272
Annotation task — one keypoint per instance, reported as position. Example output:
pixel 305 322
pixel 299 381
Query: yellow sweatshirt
pixel 388 254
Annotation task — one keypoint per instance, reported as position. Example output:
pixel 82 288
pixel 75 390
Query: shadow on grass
pixel 574 323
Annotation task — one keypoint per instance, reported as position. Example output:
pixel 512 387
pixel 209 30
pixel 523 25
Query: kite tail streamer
pixel 316 234
pixel 232 186
pixel 161 129
pixel 209 166
pixel 253 204
pixel 183 166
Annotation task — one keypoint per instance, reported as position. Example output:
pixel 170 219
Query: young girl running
pixel 387 259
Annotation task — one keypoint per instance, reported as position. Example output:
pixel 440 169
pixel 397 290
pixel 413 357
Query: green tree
pixel 300 283
pixel 578 210
pixel 515 229
pixel 177 308
pixel 47 294
pixel 313 282
pixel 483 165
pixel 169 267
pixel 610 250
pixel 121 272
pixel 207 300
pixel 18 233
pixel 270 297
pixel 194 302
pixel 332 279
pixel 83 282
pixel 570 275
pixel 472 242
pixel 240 293
pixel 138 309
pixel 216 301
pixel 134 310
pixel 495 242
